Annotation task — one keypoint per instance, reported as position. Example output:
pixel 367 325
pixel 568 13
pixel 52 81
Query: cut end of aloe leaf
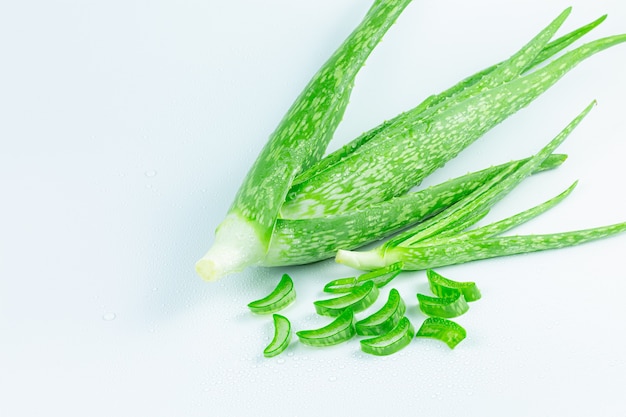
pixel 219 262
pixel 237 246
pixel 365 261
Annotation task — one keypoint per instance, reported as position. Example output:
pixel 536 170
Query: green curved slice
pixel 391 342
pixel 282 336
pixel 283 295
pixel 445 330
pixel 384 319
pixel 448 307
pixel 338 331
pixel 341 285
pixel 445 287
pixel 381 276
pixel 358 299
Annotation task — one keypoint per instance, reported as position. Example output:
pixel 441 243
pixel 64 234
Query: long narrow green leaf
pixel 416 251
pixel 564 41
pixel 299 141
pixel 442 254
pixel 508 223
pixel 308 240
pixel 456 227
pixel 516 64
pixel 407 153
pixel 303 135
pixel 485 196
pixel 336 157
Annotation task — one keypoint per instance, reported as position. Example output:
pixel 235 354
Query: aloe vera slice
pixel 385 319
pixel 283 295
pixel 445 287
pixel 448 307
pixel 391 342
pixel 381 276
pixel 282 336
pixel 358 299
pixel 340 285
pixel 445 330
pixel 338 331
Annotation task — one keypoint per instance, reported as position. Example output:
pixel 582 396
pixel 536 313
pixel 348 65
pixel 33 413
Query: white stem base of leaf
pixel 237 246
pixel 366 261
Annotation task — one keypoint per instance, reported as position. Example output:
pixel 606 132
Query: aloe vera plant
pixel 297 206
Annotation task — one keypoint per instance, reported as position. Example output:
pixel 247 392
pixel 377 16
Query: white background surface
pixel 126 128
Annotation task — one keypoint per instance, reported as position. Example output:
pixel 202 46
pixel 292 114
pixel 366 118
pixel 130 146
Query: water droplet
pixel 280 361
pixel 151 173
pixel 332 378
pixel 108 316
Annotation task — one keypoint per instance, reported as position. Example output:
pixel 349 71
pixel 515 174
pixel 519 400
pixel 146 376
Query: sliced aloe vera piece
pixel 445 330
pixel 390 342
pixel 341 285
pixel 358 299
pixel 338 331
pixel 381 276
pixel 447 307
pixel 384 319
pixel 282 336
pixel 283 295
pixel 445 287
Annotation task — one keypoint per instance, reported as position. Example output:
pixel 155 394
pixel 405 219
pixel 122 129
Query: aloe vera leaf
pixel 308 240
pixel 508 223
pixel 408 152
pixel 299 141
pixel 336 157
pixel 488 194
pixel 304 133
pixel 564 41
pixel 449 220
pixel 387 253
pixel 442 254
pixel 457 227
pixel 517 63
